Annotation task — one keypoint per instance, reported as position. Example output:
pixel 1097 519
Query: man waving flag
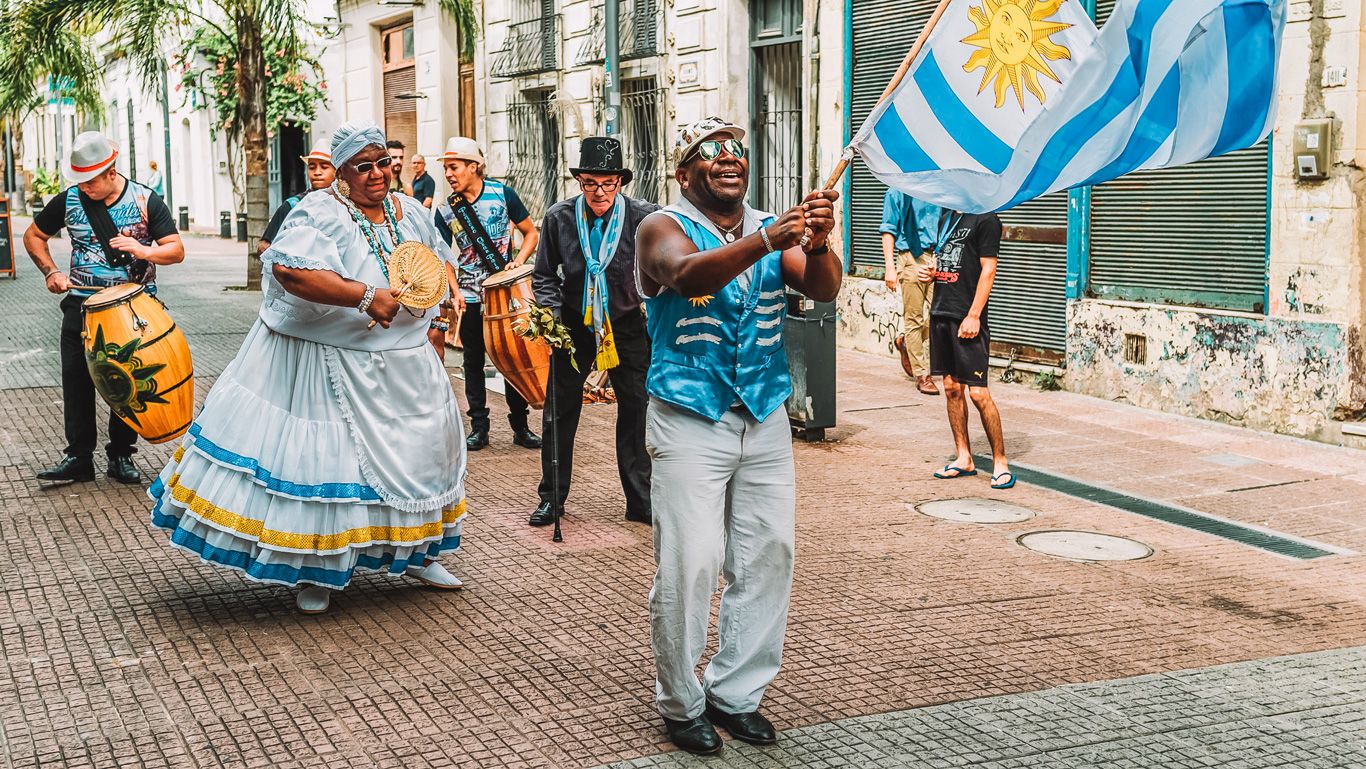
pixel 1012 99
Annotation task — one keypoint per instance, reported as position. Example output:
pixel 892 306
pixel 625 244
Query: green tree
pixel 32 60
pixel 142 30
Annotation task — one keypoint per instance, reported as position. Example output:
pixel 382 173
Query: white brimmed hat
pixel 693 134
pixel 322 150
pixel 462 148
pixel 91 155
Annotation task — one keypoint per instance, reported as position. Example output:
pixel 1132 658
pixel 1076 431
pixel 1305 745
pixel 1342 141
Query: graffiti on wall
pixel 870 315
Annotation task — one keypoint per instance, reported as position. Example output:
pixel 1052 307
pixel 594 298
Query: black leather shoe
pixel 749 727
pixel 121 469
pixel 70 469
pixel 544 515
pixel 478 439
pixel 646 518
pixel 696 735
pixel 526 439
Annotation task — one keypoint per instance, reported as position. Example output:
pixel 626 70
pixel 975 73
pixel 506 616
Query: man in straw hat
pixel 586 273
pixel 714 273
pixel 477 222
pixel 120 230
pixel 321 172
pixel 329 445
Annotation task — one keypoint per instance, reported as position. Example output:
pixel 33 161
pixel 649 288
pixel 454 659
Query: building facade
pixel 1229 289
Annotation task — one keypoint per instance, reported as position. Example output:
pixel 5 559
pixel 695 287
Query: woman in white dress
pixel 326 447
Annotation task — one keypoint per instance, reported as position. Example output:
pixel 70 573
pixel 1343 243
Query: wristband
pixel 365 301
pixel 763 235
pixel 440 325
pixel 822 251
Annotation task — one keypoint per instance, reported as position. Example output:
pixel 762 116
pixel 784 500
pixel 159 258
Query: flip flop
pixel 1009 485
pixel 950 472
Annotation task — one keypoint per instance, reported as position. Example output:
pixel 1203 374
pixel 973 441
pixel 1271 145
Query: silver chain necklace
pixel 729 233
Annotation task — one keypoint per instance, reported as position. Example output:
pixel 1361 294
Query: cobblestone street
pixel 914 640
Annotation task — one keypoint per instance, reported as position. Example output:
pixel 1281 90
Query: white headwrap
pixel 353 137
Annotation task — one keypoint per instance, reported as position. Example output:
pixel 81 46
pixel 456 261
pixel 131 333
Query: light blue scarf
pixel 597 254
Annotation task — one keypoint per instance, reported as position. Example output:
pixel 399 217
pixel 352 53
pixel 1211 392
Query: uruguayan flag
pixel 1013 99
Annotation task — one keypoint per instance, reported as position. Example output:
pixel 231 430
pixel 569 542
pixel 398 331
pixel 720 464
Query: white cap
pixel 462 148
pixel 322 150
pixel 91 155
pixel 693 134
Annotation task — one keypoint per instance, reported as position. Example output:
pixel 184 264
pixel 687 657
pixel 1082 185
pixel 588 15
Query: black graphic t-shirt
pixel 958 268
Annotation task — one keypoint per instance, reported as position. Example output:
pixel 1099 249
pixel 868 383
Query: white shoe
pixel 435 574
pixel 313 599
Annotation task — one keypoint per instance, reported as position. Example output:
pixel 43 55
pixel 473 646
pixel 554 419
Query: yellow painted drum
pixel 139 361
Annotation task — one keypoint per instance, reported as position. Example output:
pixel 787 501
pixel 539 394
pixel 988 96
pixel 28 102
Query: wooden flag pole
pixel 896 81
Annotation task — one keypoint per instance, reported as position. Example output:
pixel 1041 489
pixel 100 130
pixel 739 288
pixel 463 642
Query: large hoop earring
pixel 343 188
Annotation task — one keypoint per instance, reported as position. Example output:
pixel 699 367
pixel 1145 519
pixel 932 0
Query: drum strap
pixel 102 225
pixel 484 248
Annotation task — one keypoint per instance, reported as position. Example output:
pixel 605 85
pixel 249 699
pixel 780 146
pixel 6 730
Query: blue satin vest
pixel 706 355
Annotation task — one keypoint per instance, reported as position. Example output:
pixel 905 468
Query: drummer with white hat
pixel 321 172
pixel 477 221
pixel 119 230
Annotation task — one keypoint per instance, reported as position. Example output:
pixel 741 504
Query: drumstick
pixel 403 289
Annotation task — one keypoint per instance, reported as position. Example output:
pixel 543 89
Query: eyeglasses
pixel 370 165
pixel 711 149
pixel 595 186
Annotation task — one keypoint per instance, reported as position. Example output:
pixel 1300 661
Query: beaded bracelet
pixel 365 301
pixel 440 325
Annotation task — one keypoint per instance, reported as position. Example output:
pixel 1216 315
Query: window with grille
pixel 534 167
pixel 642 135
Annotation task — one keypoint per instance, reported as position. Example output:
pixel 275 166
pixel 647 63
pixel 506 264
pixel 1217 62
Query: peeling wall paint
pixel 870 316
pixel 1286 376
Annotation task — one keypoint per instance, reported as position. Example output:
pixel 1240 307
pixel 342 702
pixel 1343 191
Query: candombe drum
pixel 139 361
pixel 524 363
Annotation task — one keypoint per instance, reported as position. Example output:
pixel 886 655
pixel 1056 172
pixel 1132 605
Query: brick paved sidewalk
pixel 117 650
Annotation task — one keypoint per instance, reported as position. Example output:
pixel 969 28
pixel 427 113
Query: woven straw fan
pixel 417 274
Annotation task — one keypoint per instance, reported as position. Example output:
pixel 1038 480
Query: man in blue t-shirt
pixel 909 231
pixel 120 230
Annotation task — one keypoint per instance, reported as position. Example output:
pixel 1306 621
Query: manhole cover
pixel 1084 545
pixel 975 511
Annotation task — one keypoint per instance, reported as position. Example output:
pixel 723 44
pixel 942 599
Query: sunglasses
pixel 711 149
pixel 370 165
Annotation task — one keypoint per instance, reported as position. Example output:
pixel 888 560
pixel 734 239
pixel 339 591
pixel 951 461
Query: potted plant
pixel 45 182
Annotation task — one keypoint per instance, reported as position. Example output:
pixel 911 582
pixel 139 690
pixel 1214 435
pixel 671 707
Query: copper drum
pixel 139 361
pixel 524 363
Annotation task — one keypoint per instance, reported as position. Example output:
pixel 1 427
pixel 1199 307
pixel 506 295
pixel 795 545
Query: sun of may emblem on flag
pixel 1013 45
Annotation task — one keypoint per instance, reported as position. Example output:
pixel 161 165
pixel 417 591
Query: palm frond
pixel 466 24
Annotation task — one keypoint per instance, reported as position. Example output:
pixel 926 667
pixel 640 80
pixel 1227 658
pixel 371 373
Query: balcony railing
pixel 531 47
pixel 534 167
pixel 637 28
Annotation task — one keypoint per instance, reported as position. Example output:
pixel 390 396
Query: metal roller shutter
pixel 1029 302
pixel 884 31
pixel 1194 235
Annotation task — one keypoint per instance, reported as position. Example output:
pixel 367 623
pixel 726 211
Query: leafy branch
pixel 541 323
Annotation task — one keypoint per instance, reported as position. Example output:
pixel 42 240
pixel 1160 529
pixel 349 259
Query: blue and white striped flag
pixel 1013 99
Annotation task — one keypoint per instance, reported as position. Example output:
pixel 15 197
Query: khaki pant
pixel 915 304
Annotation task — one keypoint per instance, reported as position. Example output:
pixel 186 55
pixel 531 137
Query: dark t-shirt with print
pixel 139 213
pixel 958 266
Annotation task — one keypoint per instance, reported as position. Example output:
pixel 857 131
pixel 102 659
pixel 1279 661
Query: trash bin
pixel 225 224
pixel 184 218
pixel 241 228
pixel 809 336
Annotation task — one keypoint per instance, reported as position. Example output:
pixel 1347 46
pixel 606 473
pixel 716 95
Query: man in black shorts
pixel 964 271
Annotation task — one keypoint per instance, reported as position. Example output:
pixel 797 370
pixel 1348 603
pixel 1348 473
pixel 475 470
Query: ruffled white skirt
pixel 309 462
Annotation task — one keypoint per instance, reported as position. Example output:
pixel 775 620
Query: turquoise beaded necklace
pixel 367 228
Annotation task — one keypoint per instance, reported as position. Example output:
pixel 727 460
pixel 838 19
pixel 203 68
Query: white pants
pixel 724 500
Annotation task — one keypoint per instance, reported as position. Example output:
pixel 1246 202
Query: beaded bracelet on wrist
pixel 366 300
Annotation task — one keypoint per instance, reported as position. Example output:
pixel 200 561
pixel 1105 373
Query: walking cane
pixel 553 435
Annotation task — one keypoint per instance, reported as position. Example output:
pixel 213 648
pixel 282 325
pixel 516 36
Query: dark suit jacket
pixel 558 279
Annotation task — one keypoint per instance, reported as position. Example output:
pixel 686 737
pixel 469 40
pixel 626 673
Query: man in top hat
pixel 477 221
pixel 119 230
pixel 714 273
pixel 586 273
pixel 320 174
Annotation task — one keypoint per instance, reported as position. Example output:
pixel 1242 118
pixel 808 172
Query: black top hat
pixel 601 155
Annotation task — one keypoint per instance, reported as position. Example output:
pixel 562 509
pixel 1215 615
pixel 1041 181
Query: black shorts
pixel 966 360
